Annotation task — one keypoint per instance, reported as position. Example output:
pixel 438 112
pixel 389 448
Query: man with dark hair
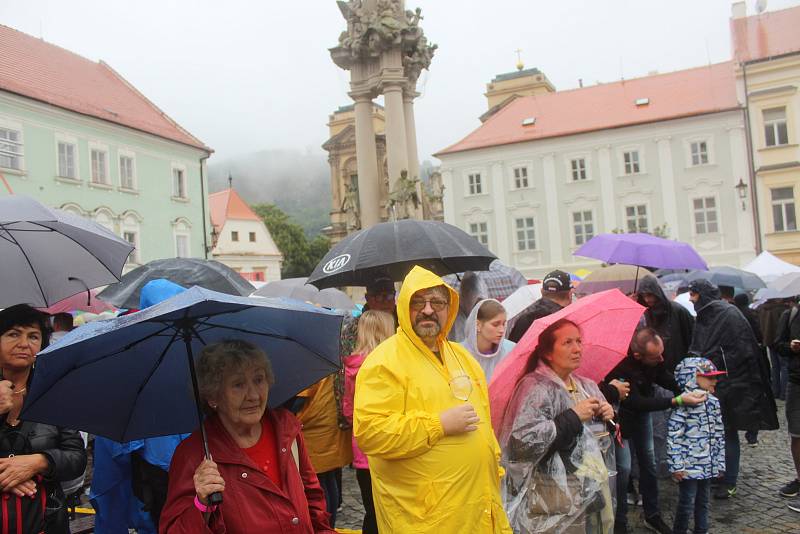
pixel 556 294
pixel 640 370
pixel 62 323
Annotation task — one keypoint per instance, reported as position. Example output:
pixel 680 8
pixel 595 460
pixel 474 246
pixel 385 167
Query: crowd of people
pixel 411 411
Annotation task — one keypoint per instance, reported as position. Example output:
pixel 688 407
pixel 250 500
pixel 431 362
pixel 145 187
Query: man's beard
pixel 427 331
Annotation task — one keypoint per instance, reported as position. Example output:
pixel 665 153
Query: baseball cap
pixel 556 281
pixel 707 368
pixel 380 284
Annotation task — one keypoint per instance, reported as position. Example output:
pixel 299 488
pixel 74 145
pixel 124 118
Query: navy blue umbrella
pixel 133 377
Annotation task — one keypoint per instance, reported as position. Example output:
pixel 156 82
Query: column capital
pixel 361 96
pixel 409 95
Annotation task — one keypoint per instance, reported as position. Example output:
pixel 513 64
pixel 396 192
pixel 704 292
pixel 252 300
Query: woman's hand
pixel 605 412
pixel 6 398
pixel 678 476
pixel 207 480
pixel 24 489
pixel 586 409
pixel 623 388
pixel 22 468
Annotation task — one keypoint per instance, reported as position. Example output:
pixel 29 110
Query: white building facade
pixel 533 203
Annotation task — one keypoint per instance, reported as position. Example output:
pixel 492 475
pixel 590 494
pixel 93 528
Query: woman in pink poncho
pixel 373 328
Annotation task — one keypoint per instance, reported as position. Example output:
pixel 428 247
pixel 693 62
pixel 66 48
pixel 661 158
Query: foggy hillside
pixel 297 182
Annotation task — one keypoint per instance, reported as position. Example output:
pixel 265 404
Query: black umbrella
pixel 47 255
pixel 186 272
pixel 393 248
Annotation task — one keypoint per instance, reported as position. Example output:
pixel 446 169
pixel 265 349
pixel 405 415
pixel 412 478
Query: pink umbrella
pixel 80 302
pixel 607 321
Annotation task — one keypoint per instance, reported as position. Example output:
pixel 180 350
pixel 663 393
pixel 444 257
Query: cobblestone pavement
pixel 756 509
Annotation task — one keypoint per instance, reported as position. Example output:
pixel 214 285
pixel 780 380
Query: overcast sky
pixel 251 75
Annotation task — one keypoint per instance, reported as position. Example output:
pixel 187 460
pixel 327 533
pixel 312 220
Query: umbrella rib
pixel 27 259
pixel 150 375
pixel 86 249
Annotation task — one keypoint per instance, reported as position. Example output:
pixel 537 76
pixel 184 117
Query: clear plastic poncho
pixel 550 491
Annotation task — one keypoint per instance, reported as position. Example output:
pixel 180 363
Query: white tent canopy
pixel 770 267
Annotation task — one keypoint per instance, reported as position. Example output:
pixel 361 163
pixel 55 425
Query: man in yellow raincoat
pixel 421 415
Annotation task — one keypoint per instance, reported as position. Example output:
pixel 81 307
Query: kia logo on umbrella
pixel 336 263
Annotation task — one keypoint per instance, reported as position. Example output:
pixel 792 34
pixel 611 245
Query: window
pixel 783 214
pixel 179 183
pixel 99 166
pixel 705 215
pixel 10 148
pixel 480 231
pixel 526 234
pixel 475 184
pixel 181 246
pixel 578 167
pixel 582 223
pixel 636 218
pixel 521 177
pixel 66 160
pixel 631 159
pixel 699 151
pixel 252 237
pixel 126 172
pixel 234 236
pixel 775 132
pixel 132 238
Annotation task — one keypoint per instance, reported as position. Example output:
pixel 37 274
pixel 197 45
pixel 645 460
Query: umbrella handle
pixel 216 497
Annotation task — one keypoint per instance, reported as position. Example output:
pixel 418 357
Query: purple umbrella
pixel 642 249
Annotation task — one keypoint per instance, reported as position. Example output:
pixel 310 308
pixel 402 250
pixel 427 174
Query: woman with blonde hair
pixel 373 328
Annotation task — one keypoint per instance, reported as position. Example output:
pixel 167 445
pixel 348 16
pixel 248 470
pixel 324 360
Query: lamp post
pixel 741 190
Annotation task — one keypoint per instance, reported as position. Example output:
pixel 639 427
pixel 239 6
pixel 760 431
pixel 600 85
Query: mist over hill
pixel 295 181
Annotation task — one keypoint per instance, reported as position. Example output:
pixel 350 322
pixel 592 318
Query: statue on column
pixel 404 200
pixel 350 206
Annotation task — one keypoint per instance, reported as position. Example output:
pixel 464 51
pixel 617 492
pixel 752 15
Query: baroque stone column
pixel 411 133
pixel 367 161
pixel 396 140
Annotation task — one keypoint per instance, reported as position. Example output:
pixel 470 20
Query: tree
pixel 299 255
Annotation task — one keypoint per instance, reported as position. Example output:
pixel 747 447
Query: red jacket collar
pixel 224 449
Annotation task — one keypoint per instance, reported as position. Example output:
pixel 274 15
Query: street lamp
pixel 741 190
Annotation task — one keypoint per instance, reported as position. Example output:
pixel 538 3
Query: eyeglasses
pixel 436 304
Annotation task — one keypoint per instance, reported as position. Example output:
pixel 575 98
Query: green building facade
pixel 147 189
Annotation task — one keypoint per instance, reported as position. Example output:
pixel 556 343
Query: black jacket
pixel 672 321
pixel 786 333
pixel 723 335
pixel 641 398
pixel 541 308
pixel 66 456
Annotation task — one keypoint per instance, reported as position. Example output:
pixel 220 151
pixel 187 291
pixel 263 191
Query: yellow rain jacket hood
pixel 422 480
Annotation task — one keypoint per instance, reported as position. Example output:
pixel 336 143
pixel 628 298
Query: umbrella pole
pixel 214 498
pixel 636 280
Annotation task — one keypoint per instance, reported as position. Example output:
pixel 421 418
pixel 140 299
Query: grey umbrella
pixel 728 276
pixel 186 272
pixel 298 289
pixel 47 255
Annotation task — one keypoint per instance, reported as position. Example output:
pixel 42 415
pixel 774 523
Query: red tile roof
pixel 673 95
pixel 42 71
pixel 228 204
pixel 770 34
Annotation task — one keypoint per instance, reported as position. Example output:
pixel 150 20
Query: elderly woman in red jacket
pixel 259 462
